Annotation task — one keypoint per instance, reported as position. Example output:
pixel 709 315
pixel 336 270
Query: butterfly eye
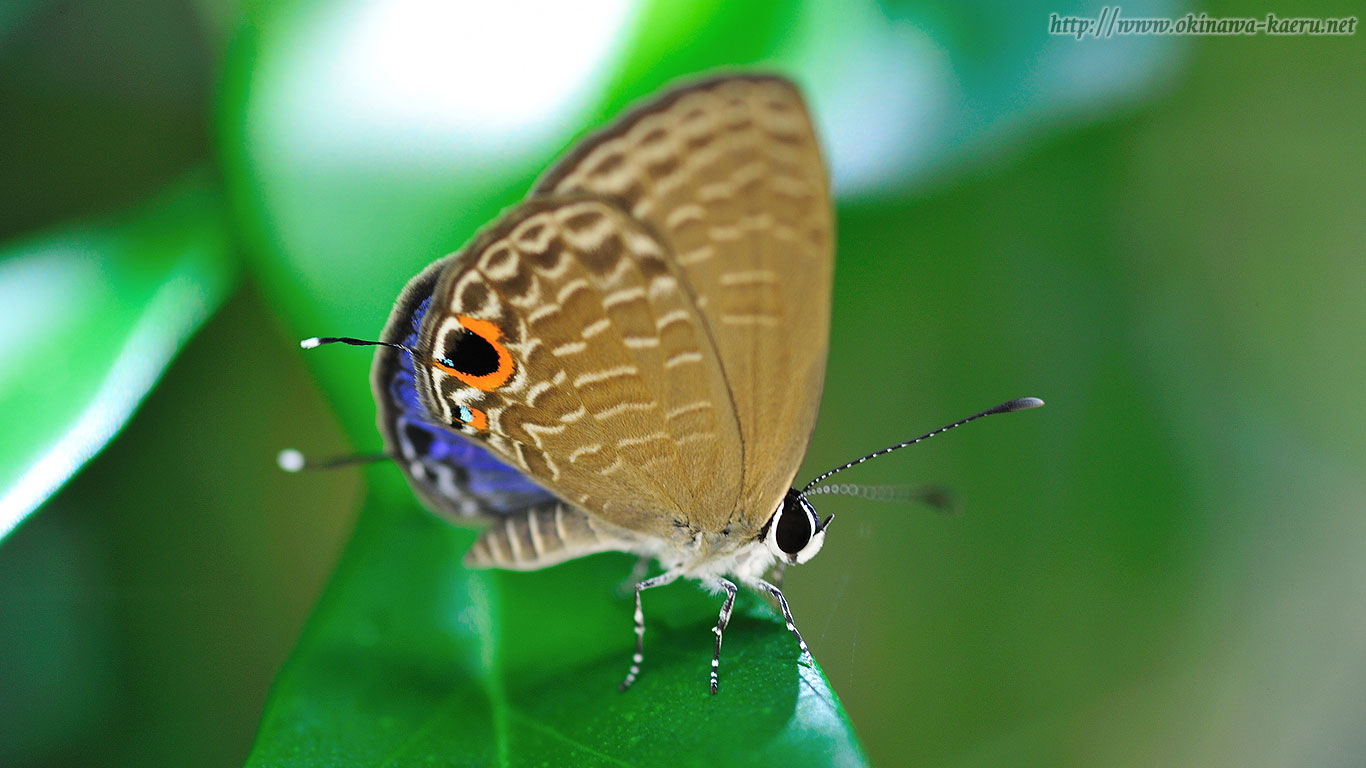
pixel 475 355
pixel 794 533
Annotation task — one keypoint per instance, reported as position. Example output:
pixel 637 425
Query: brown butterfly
pixel 631 359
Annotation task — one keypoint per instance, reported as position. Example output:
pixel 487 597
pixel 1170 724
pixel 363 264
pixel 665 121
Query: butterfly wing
pixel 728 173
pixel 453 474
pixel 461 478
pixel 565 340
pixel 662 366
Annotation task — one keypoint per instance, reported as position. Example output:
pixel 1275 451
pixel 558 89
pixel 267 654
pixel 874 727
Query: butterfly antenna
pixel 291 460
pixel 1018 404
pixel 938 497
pixel 318 341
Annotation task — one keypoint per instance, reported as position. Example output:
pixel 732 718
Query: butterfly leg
pixel 721 623
pixel 658 581
pixel 787 616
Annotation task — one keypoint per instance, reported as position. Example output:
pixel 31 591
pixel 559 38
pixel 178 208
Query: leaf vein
pixel 571 742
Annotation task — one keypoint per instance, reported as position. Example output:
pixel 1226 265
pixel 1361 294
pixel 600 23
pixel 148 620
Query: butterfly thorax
pixel 706 556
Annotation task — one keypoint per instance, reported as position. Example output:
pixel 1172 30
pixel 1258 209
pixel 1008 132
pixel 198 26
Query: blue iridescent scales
pixel 493 485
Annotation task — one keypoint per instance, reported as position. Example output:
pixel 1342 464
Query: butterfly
pixel 631 359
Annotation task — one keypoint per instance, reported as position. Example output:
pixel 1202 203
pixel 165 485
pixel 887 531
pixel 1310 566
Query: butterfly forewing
pixel 729 173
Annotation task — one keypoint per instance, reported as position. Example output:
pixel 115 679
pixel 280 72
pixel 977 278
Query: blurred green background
pixel 1161 236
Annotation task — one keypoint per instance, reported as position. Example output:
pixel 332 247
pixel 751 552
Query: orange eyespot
pixel 477 357
pixel 472 417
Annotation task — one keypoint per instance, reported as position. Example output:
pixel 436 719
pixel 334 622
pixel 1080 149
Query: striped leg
pixel 721 627
pixel 658 581
pixel 787 615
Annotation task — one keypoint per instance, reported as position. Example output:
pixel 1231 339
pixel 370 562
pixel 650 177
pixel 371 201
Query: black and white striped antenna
pixel 1010 406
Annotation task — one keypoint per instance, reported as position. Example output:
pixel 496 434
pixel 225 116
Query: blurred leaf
pixel 673 40
pixel 92 317
pixel 411 659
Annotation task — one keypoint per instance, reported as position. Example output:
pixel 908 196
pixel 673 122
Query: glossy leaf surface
pixel 412 660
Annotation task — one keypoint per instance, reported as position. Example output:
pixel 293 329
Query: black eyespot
pixel 470 353
pixel 794 526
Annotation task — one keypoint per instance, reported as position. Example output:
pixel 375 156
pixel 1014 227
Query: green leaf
pixel 410 659
pixel 92 316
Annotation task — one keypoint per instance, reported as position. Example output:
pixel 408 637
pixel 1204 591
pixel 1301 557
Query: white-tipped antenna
pixel 291 460
pixel 1018 404
pixel 318 341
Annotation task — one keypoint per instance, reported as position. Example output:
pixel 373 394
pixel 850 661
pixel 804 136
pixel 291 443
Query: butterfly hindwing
pixel 615 398
pixel 455 475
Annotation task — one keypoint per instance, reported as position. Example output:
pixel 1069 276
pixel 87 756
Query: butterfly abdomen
pixel 541 536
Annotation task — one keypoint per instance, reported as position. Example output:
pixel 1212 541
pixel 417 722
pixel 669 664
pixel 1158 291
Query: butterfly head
pixel 795 533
